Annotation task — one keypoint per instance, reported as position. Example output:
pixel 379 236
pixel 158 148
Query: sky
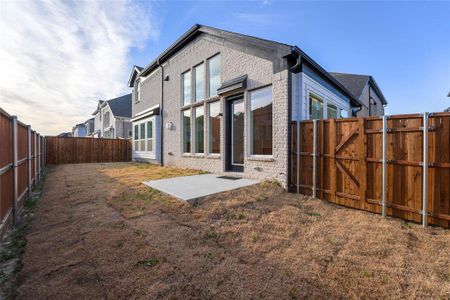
pixel 59 57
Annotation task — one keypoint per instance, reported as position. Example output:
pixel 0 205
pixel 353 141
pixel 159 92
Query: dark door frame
pixel 228 133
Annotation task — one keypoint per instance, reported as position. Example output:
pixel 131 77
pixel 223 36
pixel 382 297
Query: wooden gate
pixel 341 161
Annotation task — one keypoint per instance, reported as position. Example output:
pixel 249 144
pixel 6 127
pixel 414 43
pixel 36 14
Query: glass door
pixel 235 135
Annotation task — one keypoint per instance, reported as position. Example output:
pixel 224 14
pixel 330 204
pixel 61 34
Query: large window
pixel 142 136
pixel 331 111
pixel 187 131
pixel 199 82
pixel 199 130
pixel 150 136
pixel 136 137
pixel 106 120
pixel 186 77
pixel 213 75
pixel 214 127
pixel 315 107
pixel 261 121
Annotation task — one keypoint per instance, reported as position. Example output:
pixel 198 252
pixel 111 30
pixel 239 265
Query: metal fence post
pixel 39 156
pixel 15 170
pixel 314 156
pixel 29 161
pixel 425 171
pixel 384 170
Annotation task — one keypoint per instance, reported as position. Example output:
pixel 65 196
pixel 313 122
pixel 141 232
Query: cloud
pixel 58 57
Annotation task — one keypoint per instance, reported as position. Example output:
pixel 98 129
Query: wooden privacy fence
pixel 394 165
pixel 21 165
pixel 86 150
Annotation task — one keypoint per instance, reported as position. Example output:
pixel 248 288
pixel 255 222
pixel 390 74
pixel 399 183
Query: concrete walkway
pixel 191 188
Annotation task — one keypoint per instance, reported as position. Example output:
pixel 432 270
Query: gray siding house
pixel 79 130
pixel 223 102
pixel 366 89
pixel 89 124
pixel 112 118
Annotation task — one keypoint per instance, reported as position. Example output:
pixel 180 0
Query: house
pixel 112 118
pixel 79 130
pixel 90 128
pixel 223 102
pixel 365 88
pixel 65 134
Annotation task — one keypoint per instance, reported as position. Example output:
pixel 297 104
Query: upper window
pixel 261 121
pixel 138 91
pixel 187 131
pixel 199 82
pixel 315 107
pixel 199 130
pixel 186 77
pixel 214 127
pixel 214 75
pixel 331 111
pixel 106 120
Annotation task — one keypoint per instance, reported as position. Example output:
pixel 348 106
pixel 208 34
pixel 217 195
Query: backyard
pixel 98 232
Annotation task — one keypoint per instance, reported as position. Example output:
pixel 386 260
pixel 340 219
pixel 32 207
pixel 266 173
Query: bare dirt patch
pixel 99 233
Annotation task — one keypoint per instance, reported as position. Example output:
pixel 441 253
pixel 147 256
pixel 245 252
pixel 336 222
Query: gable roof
pixel 121 106
pixel 134 72
pixel 356 83
pixel 260 47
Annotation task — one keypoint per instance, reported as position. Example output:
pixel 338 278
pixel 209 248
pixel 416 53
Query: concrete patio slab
pixel 191 188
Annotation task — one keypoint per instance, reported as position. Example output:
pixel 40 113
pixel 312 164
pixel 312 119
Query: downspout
pixel 291 93
pixel 161 118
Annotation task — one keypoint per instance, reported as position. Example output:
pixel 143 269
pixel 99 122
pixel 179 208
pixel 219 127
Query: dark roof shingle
pixel 121 106
pixel 353 82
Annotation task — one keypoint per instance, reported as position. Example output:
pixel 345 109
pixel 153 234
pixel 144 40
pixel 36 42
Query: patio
pixel 194 187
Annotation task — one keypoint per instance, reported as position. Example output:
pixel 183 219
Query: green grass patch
pixel 149 262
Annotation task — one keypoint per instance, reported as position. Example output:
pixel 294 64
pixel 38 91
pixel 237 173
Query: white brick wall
pixel 234 63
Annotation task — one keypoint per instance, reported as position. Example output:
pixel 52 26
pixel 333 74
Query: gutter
pixel 161 118
pixel 302 55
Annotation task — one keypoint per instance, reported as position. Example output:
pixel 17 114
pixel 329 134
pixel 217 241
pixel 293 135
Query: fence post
pixel 35 158
pixel 39 156
pixel 15 170
pixel 384 170
pixel 29 161
pixel 314 157
pixel 298 157
pixel 425 171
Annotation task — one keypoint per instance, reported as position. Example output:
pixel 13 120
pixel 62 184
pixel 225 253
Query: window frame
pixel 139 124
pixel 208 73
pixel 183 104
pixel 249 124
pixel 182 131
pixel 194 80
pixel 208 148
pixel 194 129
pixel 137 94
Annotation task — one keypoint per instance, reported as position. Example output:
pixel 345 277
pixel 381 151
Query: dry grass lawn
pixel 99 233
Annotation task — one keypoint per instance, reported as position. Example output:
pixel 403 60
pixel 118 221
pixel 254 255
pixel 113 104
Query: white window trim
pixel 248 140
pixel 138 91
pixel 148 154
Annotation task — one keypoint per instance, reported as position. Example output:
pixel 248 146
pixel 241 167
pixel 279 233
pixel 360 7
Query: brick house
pixel 222 102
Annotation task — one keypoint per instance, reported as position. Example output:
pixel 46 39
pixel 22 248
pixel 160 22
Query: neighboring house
pixel 112 118
pixel 223 102
pixel 65 134
pixel 90 128
pixel 79 130
pixel 365 88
